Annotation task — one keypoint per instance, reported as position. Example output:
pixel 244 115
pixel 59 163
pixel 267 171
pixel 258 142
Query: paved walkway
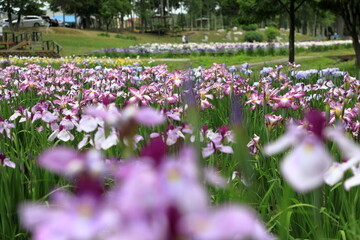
pixel 167 59
pixel 283 60
pixel 279 60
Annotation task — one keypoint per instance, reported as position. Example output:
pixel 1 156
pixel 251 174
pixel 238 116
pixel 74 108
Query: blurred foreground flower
pixel 351 151
pixel 154 197
pixel 304 168
pixel 113 117
pixel 310 164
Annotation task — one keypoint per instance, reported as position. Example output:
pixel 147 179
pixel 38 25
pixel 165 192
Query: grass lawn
pixel 327 212
pixel 316 60
pixel 79 42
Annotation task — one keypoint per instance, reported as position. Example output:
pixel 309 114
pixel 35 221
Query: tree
pixel 125 9
pixel 163 8
pixel 350 12
pixel 209 6
pixel 28 7
pixel 86 9
pixel 158 11
pixel 66 6
pixel 142 8
pixel 8 7
pixel 253 11
pixel 314 20
pixel 193 8
pixel 181 20
pixel 109 9
pixel 83 8
pixel 291 9
pixel 23 6
pixel 230 11
pixel 33 8
pixel 260 10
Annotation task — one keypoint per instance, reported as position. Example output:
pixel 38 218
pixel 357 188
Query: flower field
pixel 85 62
pixel 94 149
pixel 218 49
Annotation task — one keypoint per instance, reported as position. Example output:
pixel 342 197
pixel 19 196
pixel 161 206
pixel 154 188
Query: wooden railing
pixel 20 37
pixel 29 44
pixel 52 45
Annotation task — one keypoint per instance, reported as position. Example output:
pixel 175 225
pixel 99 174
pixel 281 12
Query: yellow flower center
pixel 173 175
pixel 308 147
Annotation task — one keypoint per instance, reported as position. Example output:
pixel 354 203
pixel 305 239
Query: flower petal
pixel 64 135
pixel 149 117
pixel 334 174
pixel 224 149
pixel 305 166
pixel 352 182
pixel 61 160
pixel 88 123
pixel 208 151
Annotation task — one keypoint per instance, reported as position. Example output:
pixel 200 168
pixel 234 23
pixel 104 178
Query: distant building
pixel 128 22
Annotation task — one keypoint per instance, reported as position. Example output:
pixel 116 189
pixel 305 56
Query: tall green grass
pixel 326 213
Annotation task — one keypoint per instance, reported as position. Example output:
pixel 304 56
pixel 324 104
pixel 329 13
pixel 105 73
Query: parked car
pixel 28 21
pixel 4 22
pixel 70 25
pixel 61 23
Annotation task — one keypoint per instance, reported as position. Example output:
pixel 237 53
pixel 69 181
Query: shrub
pixel 271 51
pixel 229 54
pixel 213 54
pixel 300 49
pixel 260 51
pixel 240 51
pixel 315 48
pixel 202 53
pixel 250 51
pixel 283 51
pixel 271 34
pixel 105 34
pixel 250 27
pixel 169 54
pixel 129 37
pixel 253 36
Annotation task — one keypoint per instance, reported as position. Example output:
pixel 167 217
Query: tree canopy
pixel 350 12
pixel 20 7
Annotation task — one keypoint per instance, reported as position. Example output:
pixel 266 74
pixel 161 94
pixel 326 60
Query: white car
pixel 28 21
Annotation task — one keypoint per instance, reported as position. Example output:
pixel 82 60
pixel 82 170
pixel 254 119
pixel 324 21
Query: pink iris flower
pixel 4 161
